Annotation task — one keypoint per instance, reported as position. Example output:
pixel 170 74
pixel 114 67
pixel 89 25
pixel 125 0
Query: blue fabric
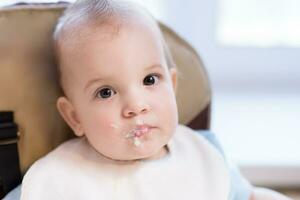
pixel 14 194
pixel 240 187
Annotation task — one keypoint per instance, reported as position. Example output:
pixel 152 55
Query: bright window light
pixel 263 23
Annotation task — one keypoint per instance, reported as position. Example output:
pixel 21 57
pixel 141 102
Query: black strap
pixel 10 175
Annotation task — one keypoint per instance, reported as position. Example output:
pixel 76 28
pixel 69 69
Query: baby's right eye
pixel 105 93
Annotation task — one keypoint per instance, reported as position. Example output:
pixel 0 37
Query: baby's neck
pixel 161 154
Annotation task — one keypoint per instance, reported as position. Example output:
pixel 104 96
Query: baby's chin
pixel 141 154
pixel 150 151
pixel 154 155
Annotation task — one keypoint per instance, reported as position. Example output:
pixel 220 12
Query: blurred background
pixel 251 50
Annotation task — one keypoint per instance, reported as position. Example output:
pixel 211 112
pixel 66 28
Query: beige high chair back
pixel 29 90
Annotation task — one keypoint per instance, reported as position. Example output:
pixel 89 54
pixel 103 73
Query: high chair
pixel 30 125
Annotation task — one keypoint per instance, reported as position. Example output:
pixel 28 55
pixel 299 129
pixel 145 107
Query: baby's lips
pixel 141 131
pixel 138 132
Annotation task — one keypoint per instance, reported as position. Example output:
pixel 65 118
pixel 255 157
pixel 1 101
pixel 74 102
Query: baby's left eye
pixel 151 79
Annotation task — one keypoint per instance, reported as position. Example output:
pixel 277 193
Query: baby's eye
pixel 105 93
pixel 151 79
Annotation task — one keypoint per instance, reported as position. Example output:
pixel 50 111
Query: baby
pixel 119 82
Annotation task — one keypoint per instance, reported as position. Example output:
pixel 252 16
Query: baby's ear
pixel 68 113
pixel 173 74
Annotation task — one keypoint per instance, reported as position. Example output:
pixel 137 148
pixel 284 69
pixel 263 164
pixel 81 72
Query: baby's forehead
pixel 109 41
pixel 111 28
pixel 104 34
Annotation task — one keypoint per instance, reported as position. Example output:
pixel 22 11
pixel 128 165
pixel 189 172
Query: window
pixel 259 23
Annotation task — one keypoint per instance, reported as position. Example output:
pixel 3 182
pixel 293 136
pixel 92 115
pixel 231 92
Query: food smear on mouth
pixel 135 135
pixel 137 142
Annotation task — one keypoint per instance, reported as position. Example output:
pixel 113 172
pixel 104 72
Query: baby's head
pixel 118 78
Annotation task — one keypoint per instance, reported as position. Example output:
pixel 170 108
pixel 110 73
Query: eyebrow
pixel 91 82
pixel 100 79
pixel 154 66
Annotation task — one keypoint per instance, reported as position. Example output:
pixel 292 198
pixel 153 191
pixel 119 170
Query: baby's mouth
pixel 136 133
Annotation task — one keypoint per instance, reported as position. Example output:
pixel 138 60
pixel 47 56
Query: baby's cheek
pixel 167 106
pixel 108 117
pixel 108 123
pixel 105 120
pixel 111 125
pixel 165 99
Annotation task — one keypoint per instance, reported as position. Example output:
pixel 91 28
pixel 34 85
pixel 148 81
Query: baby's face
pixel 121 93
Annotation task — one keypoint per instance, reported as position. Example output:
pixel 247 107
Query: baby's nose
pixel 135 108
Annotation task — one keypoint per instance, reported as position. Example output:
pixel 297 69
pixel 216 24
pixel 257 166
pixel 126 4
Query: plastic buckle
pixel 9 140
pixel 8 129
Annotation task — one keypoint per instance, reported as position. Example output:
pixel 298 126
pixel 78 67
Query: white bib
pixel 193 169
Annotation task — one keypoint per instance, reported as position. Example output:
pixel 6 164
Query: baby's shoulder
pixel 197 138
pixel 51 170
pixel 187 132
pixel 67 153
pixel 69 150
pixel 203 140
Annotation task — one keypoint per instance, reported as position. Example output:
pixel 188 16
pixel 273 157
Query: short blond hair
pixel 96 12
